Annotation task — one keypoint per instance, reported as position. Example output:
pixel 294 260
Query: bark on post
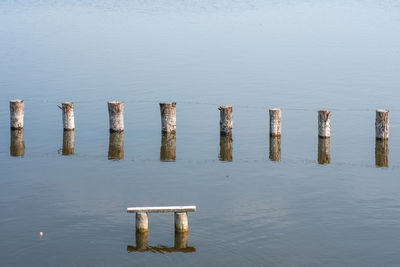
pixel 17 114
pixel 17 146
pixel 68 143
pixel 168 117
pixel 275 148
pixel 68 116
pixel 116 114
pixel 142 222
pixel 324 155
pixel 382 124
pixel 275 122
pixel 324 123
pixel 168 147
pixel 381 153
pixel 225 147
pixel 116 146
pixel 181 240
pixel 181 222
pixel 226 122
pixel 142 239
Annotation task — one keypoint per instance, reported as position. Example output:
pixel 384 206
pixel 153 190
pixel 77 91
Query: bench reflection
pixel 180 244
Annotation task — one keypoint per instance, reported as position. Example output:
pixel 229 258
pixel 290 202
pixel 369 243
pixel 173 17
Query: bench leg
pixel 181 222
pixel 142 222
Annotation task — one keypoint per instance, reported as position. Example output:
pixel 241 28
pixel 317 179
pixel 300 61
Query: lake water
pixel 256 206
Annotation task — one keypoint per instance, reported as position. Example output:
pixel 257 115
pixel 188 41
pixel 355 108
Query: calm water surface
pixel 297 201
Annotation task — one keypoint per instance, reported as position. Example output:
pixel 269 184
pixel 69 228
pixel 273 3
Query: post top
pixel 67 103
pixel 324 110
pixel 382 110
pixel 167 103
pixel 17 101
pixel 274 109
pixel 114 102
pixel 161 209
pixel 225 106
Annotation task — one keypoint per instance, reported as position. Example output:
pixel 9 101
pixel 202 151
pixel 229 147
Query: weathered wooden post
pixel 275 148
pixel 142 222
pixel 116 114
pixel 68 142
pixel 168 117
pixel 17 114
pixel 324 156
pixel 116 146
pixel 382 124
pixel 68 116
pixel 168 147
pixel 275 122
pixel 142 240
pixel 225 147
pixel 324 123
pixel 181 222
pixel 181 240
pixel 381 153
pixel 17 146
pixel 226 122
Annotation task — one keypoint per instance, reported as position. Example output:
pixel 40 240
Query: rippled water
pixel 256 206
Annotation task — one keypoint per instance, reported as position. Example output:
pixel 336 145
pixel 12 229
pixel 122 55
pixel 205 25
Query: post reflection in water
pixel 168 147
pixel 180 244
pixel 275 148
pixel 116 146
pixel 324 155
pixel 17 146
pixel 68 143
pixel 142 240
pixel 225 147
pixel 381 153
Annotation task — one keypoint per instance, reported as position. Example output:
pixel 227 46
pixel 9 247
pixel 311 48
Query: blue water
pixel 300 56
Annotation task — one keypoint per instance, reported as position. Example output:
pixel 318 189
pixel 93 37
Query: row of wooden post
pixel 168 119
pixel 168 127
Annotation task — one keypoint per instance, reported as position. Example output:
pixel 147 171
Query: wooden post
pixel 168 117
pixel 17 146
pixel 382 124
pixel 181 240
pixel 381 153
pixel 168 147
pixel 226 122
pixel 181 222
pixel 324 155
pixel 142 222
pixel 275 122
pixel 324 123
pixel 225 147
pixel 17 114
pixel 142 239
pixel 68 116
pixel 116 146
pixel 275 148
pixel 68 142
pixel 116 114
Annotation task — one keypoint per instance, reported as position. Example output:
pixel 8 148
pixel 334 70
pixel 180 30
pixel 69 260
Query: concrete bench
pixel 181 218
